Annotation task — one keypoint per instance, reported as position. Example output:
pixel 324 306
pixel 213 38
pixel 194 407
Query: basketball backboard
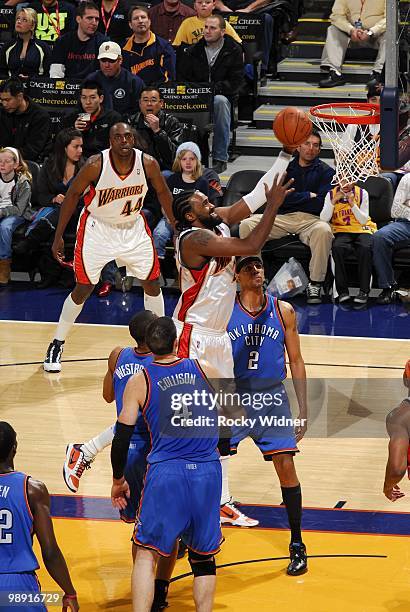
pixel 395 100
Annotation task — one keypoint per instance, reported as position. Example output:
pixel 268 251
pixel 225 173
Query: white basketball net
pixel 356 147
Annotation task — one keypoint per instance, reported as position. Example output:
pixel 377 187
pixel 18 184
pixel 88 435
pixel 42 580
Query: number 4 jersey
pixel 16 525
pixel 258 341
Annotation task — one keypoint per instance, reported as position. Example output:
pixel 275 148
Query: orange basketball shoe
pixel 230 515
pixel 74 465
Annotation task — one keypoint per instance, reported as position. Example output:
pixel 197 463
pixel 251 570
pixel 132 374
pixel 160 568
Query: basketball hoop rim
pixel 373 118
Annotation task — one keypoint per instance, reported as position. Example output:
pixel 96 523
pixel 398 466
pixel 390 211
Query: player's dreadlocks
pixel 180 207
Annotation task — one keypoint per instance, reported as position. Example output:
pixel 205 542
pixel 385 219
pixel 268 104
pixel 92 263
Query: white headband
pixel 14 151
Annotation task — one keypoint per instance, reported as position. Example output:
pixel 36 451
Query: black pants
pixel 344 244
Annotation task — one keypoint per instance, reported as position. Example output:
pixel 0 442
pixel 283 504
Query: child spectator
pixel 15 194
pixel 347 209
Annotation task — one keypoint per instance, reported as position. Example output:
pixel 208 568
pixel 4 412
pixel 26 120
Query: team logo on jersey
pixel 105 196
pixel 119 93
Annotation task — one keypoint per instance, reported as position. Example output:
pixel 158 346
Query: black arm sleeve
pixel 119 448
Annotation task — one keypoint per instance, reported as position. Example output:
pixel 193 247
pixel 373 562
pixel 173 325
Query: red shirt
pixel 166 24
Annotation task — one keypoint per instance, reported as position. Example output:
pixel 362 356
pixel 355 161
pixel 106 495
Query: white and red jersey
pixel 115 198
pixel 207 295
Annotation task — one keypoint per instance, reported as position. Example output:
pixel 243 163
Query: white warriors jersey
pixel 116 198
pixel 207 295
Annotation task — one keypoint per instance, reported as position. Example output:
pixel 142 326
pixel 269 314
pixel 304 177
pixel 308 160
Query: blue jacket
pixel 153 63
pixel 315 178
pixel 121 93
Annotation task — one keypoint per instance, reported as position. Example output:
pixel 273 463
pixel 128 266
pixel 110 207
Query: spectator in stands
pixel 299 214
pixel 258 6
pixel 347 209
pixel 54 18
pixel 91 119
pixel 167 16
pixel 24 124
pixel 15 194
pixel 186 175
pixel 218 59
pixel 359 21
pixel 158 133
pixel 388 237
pixel 145 53
pixel 54 180
pixel 121 88
pixel 26 56
pixel 192 28
pixel 114 19
pixel 75 54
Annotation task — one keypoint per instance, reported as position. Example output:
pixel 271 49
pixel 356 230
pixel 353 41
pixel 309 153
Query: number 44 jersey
pixel 258 341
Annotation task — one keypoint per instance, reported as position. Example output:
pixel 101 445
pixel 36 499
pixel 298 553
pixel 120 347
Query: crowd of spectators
pixel 122 53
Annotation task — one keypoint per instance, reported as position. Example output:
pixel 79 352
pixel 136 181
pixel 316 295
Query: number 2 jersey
pixel 16 525
pixel 258 342
pixel 114 198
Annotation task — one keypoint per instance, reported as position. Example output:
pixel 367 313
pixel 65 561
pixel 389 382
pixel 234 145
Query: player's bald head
pixel 8 441
pixel 120 128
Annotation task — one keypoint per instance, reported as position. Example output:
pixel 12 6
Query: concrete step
pixel 252 141
pixel 289 93
pixel 291 69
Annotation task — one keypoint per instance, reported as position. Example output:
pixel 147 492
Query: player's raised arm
pixel 296 364
pixel 256 198
pixel 158 182
pixel 206 243
pixel 88 174
pixel 108 386
pixel 397 428
pixel 53 558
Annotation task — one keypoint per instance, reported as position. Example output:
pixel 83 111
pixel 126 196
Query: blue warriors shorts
pixel 11 584
pixel 134 474
pixel 267 419
pixel 181 499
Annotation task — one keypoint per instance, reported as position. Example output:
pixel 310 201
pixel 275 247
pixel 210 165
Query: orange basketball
pixel 292 126
pixel 406 374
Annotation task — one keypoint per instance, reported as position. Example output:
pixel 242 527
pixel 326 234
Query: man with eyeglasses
pixel 111 227
pixel 121 88
pixel 75 54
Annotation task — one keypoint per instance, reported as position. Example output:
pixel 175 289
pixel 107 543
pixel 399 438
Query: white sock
pixel 97 444
pixel 68 315
pixel 225 496
pixel 155 303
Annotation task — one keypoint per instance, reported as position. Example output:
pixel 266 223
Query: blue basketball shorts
pixel 24 583
pixel 181 499
pixel 134 474
pixel 269 424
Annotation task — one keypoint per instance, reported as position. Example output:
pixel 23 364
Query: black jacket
pixel 226 74
pixel 97 137
pixel 35 63
pixel 315 178
pixel 30 132
pixel 163 145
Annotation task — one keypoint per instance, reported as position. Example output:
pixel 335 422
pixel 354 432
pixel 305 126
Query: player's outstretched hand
pixel 300 430
pixel 120 492
pixel 70 602
pixel 278 192
pixel 58 250
pixel 393 493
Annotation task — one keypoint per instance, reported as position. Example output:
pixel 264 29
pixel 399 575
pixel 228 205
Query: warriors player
pixel 260 329
pixel 205 254
pixel 111 226
pixel 25 510
pixel 398 428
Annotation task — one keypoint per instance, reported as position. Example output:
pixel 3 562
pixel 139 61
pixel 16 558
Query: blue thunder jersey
pixel 16 526
pixel 130 362
pixel 258 342
pixel 178 412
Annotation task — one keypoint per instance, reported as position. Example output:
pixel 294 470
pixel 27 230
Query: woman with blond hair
pixel 15 194
pixel 25 57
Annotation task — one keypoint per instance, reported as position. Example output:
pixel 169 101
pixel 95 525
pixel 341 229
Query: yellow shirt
pixel 343 219
pixel 192 29
pixel 372 14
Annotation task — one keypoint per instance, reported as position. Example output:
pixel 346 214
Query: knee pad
pixel 202 565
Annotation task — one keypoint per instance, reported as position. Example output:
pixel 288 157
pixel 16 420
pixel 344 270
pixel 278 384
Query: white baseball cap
pixel 109 50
